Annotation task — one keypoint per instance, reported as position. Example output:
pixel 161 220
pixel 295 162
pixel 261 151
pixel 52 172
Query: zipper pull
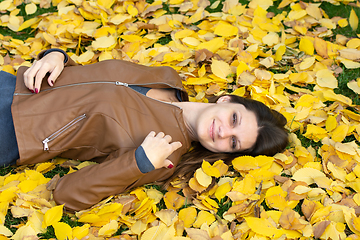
pixel 46 146
pixel 117 83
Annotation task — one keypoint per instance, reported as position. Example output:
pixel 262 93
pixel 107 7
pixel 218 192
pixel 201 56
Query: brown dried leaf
pixel 320 228
pixel 246 78
pixel 290 220
pixel 52 183
pixel 308 208
pixel 197 234
pixel 202 55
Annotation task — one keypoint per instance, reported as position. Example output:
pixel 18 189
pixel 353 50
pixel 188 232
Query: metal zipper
pixel 117 83
pixel 61 130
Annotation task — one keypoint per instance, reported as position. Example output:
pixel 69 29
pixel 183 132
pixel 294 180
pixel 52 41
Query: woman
pixel 133 120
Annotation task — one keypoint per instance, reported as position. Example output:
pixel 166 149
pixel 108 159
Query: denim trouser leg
pixel 9 152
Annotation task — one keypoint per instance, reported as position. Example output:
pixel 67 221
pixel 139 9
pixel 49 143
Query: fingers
pixel 54 75
pixel 52 63
pixel 176 145
pixel 158 147
pixel 30 74
pixel 34 76
pixel 168 164
pixel 160 135
pixel 40 75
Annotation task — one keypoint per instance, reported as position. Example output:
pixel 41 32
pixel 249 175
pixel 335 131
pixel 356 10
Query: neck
pixel 191 113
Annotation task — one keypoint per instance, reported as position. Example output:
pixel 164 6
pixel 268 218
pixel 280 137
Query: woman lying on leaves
pixel 135 121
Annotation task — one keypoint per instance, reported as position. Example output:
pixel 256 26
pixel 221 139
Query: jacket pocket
pixel 70 125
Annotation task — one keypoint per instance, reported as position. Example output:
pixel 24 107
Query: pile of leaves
pixel 286 56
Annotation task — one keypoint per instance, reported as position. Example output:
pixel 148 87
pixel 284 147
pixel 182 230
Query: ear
pixel 222 99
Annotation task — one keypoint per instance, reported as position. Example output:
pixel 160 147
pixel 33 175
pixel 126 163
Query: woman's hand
pixel 158 147
pixel 52 63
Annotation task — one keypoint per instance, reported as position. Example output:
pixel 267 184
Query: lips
pixel 211 130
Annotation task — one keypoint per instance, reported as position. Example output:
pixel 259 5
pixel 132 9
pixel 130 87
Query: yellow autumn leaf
pixel 354 85
pixel 167 216
pixel 343 22
pixel 271 39
pixel 30 8
pixel 261 226
pixel 213 45
pixel 173 200
pixel 109 229
pixel 5 231
pixel 325 78
pixel 337 172
pixel 307 63
pixel 280 52
pixel 221 166
pixel 50 39
pixel 315 133
pixel 330 123
pixel 339 134
pixel 138 227
pixel 349 64
pixel 24 232
pixel 53 215
pixel 105 3
pixel 222 190
pixel 220 68
pixel 320 46
pixel 45 167
pixel 204 217
pixel 188 216
pixel 307 175
pixel 210 170
pixel 245 163
pixel 353 43
pixel 225 29
pixel 27 185
pixel 104 43
pixel 62 231
pixel 132 10
pixel 191 41
pixel 353 20
pixel 267 62
pixel 80 232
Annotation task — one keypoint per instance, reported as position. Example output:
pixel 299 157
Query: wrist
pixel 57 51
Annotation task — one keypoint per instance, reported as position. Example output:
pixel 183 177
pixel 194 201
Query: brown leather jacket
pixel 91 114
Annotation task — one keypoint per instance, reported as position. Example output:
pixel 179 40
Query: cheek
pixel 222 145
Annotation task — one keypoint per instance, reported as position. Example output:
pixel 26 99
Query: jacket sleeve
pixel 89 185
pixel 68 61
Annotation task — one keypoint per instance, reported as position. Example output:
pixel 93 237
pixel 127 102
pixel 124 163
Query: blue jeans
pixel 9 152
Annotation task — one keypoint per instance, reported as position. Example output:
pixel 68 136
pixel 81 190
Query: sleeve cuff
pixel 57 50
pixel 142 161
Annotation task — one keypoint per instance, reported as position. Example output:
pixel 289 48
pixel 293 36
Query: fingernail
pixel 52 82
pixel 170 166
pixel 31 90
pixel 36 90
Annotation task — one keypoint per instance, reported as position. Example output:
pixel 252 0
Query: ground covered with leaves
pixel 299 58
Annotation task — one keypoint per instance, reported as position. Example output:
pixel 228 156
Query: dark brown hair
pixel 272 138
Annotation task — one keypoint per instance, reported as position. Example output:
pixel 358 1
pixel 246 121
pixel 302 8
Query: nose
pixel 225 132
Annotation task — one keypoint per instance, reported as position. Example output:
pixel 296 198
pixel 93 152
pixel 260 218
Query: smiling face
pixel 226 127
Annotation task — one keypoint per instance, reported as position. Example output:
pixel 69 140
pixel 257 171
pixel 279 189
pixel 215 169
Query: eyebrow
pixel 240 118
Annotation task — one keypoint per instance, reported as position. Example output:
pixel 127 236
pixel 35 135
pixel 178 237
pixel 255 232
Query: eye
pixel 234 119
pixel 233 143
